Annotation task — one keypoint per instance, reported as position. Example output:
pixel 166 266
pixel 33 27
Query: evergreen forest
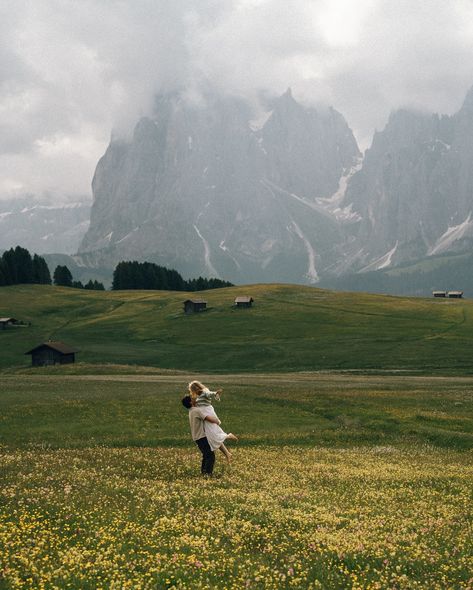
pixel 147 275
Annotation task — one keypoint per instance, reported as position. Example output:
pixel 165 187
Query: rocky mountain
pixel 41 226
pixel 218 189
pixel 414 193
pixel 282 194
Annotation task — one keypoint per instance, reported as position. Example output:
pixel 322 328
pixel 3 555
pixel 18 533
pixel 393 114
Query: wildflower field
pixel 338 481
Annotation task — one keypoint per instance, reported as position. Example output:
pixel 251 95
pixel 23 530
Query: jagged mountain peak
pixel 205 188
pixel 414 194
pixel 286 99
pixel 215 185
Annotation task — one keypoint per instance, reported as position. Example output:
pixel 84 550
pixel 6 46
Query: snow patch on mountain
pixel 128 235
pixel 271 186
pixel 331 204
pixel 453 233
pixel 383 261
pixel 208 263
pixel 339 194
pixel 227 252
pixel 311 273
pixel 346 214
pixel 439 143
pixel 259 121
pixel 52 207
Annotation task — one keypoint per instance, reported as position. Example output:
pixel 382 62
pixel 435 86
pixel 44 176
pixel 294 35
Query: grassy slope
pixel 290 328
pixel 100 484
pixel 303 409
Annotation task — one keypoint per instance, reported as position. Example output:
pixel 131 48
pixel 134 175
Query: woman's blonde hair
pixel 196 388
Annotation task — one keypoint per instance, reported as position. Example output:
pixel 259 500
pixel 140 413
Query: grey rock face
pixel 282 195
pixel 414 193
pixel 218 190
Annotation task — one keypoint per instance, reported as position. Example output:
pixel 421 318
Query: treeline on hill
pixel 63 278
pixel 147 275
pixel 18 266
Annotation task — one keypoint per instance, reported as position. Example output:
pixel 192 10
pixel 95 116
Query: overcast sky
pixel 71 70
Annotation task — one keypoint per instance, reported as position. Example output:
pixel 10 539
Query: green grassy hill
pixel 450 271
pixel 290 328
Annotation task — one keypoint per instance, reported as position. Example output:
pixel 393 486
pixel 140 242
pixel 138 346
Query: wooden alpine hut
pixel 52 352
pixel 439 293
pixel 6 322
pixel 194 305
pixel 455 294
pixel 244 301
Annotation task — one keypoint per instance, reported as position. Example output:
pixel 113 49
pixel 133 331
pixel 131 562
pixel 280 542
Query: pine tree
pixel 9 267
pixel 24 265
pixel 94 286
pixel 121 278
pixel 17 266
pixel 175 281
pixel 41 274
pixel 62 276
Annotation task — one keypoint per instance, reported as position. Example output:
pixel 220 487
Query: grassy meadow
pixel 354 467
pixel 291 328
pixel 338 481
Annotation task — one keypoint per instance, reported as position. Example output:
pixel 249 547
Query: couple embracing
pixel 205 424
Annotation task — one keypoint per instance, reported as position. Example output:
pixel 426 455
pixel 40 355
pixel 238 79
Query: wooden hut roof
pixel 195 301
pixel 5 320
pixel 243 299
pixel 54 345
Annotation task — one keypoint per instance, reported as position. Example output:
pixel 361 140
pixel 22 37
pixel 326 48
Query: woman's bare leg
pixel 226 452
pixel 231 436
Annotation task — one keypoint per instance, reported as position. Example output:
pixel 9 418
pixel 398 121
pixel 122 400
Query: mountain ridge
pixel 279 192
pixel 42 226
pixel 414 194
pixel 210 192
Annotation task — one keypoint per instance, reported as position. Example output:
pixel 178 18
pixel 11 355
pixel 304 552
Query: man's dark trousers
pixel 208 456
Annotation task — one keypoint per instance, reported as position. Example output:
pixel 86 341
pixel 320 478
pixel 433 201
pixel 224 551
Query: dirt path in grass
pixel 249 378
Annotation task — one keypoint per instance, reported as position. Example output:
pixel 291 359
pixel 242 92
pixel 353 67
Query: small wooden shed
pixel 244 301
pixel 439 293
pixel 455 294
pixel 194 305
pixel 6 322
pixel 52 352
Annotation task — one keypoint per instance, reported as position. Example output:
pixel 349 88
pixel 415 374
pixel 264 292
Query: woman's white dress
pixel 215 435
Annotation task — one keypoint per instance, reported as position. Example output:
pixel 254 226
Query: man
pixel 196 421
